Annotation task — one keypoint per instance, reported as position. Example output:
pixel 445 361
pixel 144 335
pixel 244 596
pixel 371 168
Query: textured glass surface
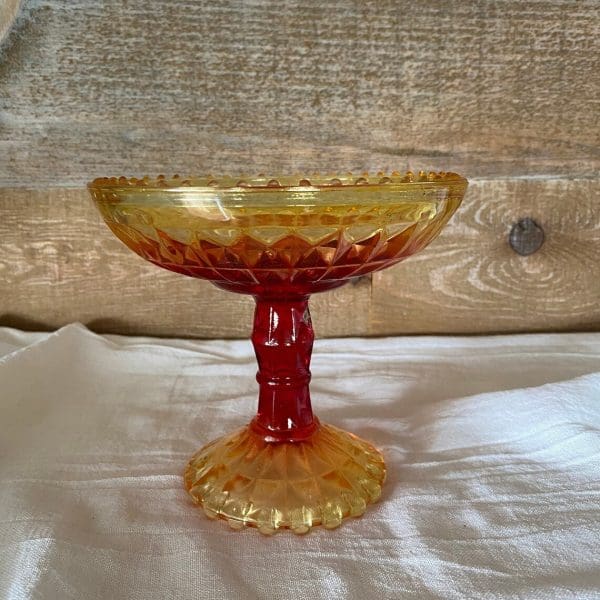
pixel 281 239
pixel 318 481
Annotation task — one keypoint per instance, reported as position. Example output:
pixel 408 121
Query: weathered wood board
pixel 59 263
pixel 506 93
pixel 472 281
pixel 487 89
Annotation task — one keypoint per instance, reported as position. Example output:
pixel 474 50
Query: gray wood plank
pixel 488 89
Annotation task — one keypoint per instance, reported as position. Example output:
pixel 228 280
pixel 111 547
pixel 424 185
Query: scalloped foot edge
pixel 285 485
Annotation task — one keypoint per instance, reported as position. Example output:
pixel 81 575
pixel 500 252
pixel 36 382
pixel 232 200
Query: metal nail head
pixel 526 237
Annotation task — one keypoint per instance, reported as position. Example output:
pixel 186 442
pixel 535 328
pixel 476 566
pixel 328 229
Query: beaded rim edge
pixel 262 182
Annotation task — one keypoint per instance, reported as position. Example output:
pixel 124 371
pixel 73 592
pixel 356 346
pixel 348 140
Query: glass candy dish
pixel 281 239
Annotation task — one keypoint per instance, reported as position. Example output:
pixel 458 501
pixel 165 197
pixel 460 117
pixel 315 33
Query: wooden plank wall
pixel 506 93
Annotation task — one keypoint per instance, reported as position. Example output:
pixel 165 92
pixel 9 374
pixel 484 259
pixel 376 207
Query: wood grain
pixel 472 281
pixel 504 92
pixel 59 263
pixel 488 89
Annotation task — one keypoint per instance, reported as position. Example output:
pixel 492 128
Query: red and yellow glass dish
pixel 281 239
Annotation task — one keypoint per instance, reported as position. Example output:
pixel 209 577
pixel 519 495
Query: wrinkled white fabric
pixel 492 446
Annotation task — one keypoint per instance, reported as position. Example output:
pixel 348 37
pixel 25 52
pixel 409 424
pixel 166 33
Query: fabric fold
pixel 492 446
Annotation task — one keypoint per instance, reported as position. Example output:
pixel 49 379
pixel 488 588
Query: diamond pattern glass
pixel 280 240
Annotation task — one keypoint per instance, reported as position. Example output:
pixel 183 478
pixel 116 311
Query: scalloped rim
pixel 262 182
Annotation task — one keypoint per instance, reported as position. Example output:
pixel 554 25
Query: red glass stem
pixel 283 339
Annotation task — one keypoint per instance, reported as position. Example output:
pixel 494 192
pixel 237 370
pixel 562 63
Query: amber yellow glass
pixel 281 239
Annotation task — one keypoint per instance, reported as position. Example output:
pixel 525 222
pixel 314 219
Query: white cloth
pixel 492 446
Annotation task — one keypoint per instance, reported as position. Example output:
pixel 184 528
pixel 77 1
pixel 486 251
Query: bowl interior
pixel 205 204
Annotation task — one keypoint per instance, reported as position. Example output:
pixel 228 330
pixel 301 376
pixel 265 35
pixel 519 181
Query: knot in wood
pixel 526 237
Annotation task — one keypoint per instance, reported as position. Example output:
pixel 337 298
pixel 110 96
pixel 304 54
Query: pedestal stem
pixel 285 470
pixel 283 338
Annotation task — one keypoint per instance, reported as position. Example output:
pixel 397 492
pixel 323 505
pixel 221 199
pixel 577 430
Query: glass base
pixel 272 485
